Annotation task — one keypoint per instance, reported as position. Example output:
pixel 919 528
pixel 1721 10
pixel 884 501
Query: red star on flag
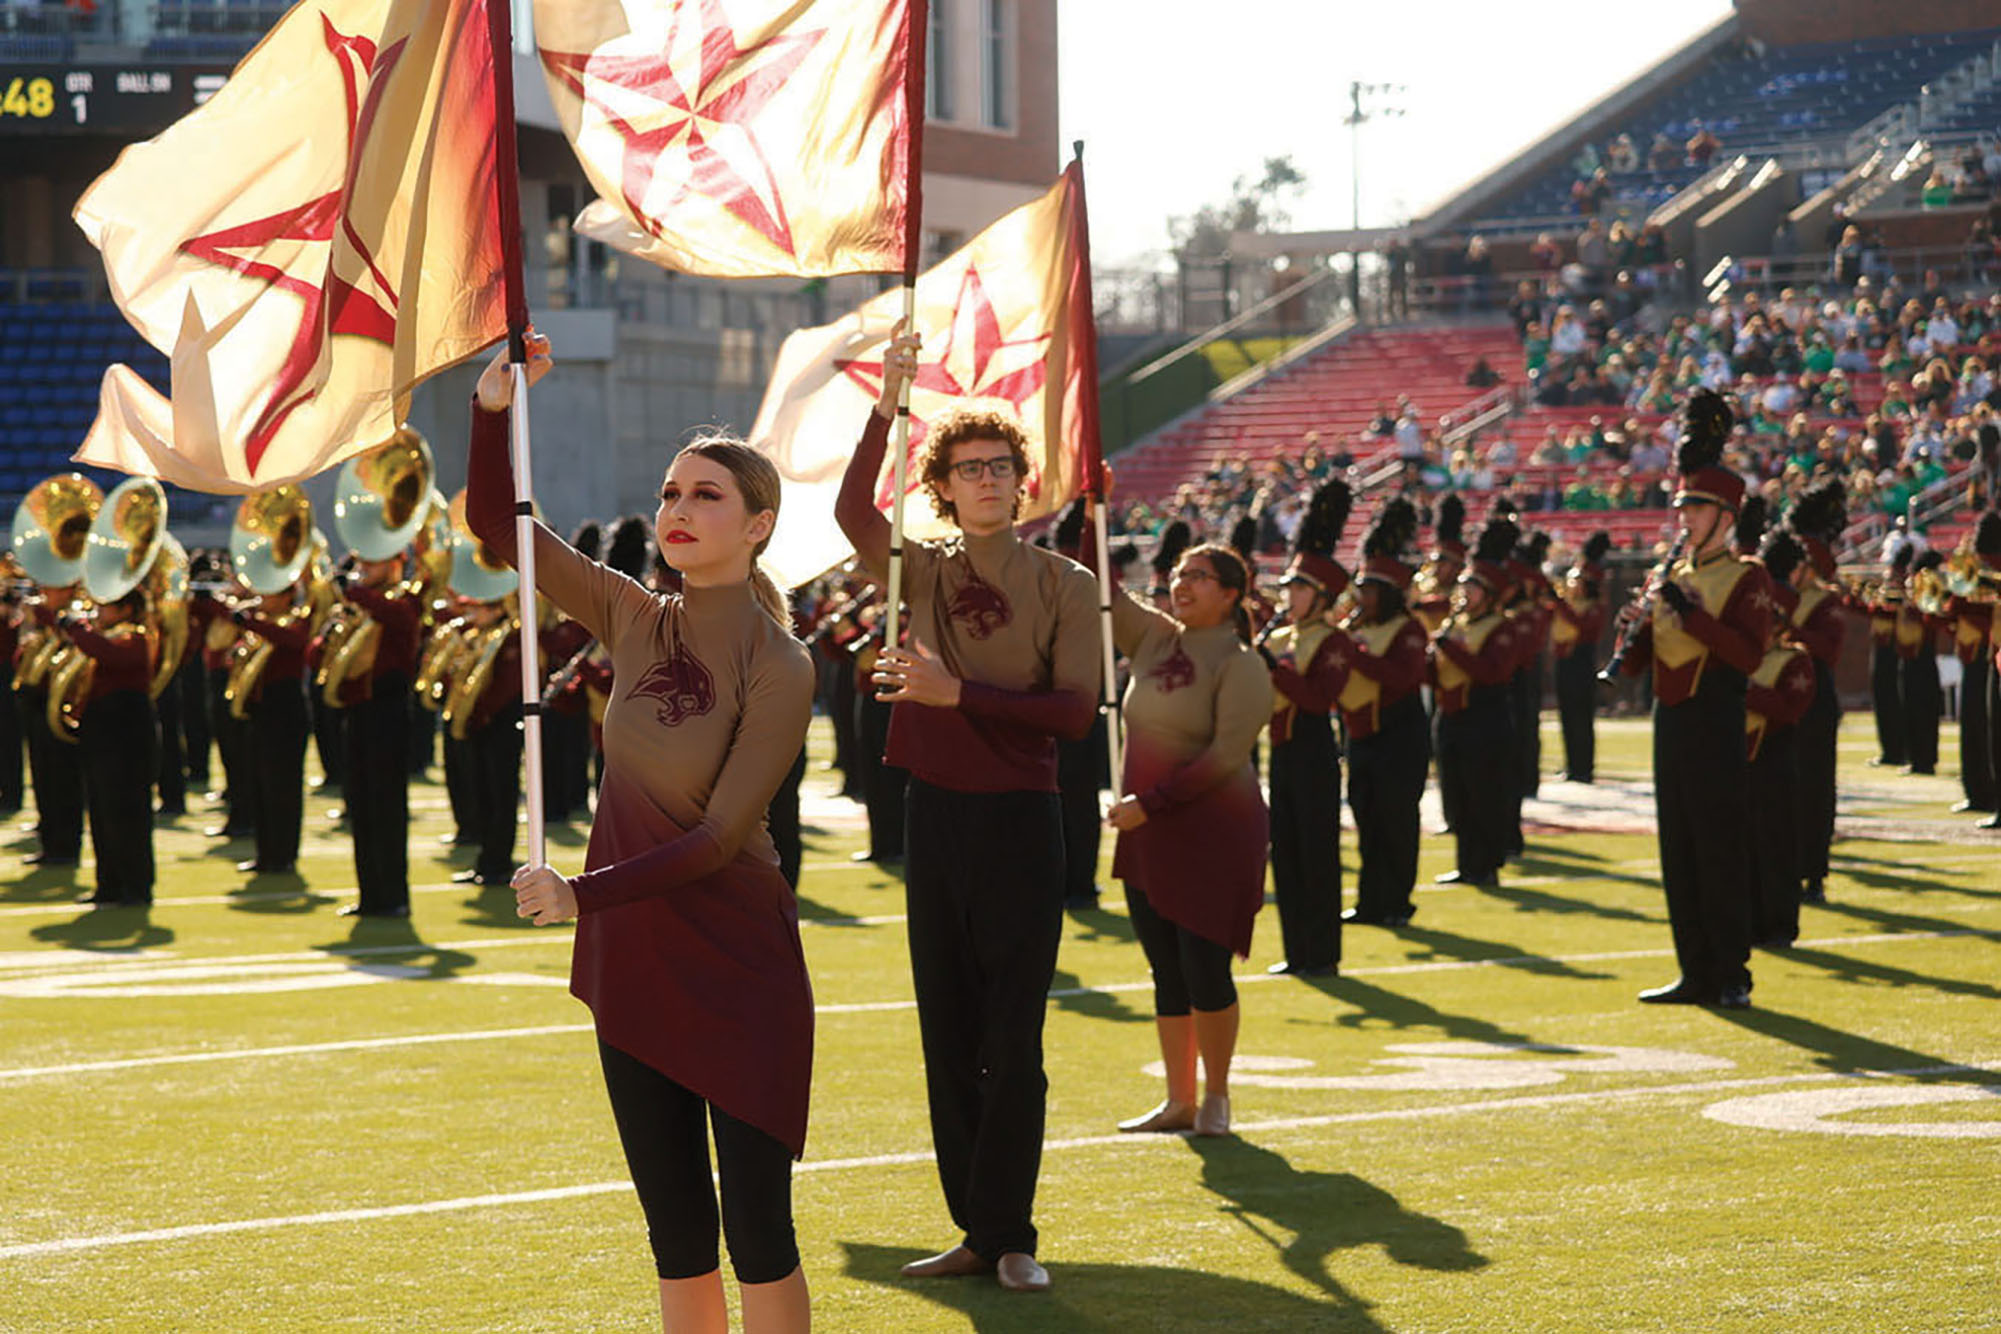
pixel 328 298
pixel 978 360
pixel 696 115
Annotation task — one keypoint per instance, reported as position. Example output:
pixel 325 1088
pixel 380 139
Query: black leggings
pixel 666 1144
pixel 1189 972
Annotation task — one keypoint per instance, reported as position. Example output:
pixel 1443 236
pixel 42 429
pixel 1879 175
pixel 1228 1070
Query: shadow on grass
pixel 1376 1007
pixel 1884 919
pixel 275 894
pixel 114 929
pixel 1112 1299
pixel 42 885
pixel 493 906
pixel 1440 945
pixel 391 945
pixel 1846 968
pixel 1096 924
pixel 1837 1050
pixel 1070 993
pixel 1541 900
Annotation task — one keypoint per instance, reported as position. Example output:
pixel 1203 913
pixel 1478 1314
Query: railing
pixel 1770 273
pixel 1934 502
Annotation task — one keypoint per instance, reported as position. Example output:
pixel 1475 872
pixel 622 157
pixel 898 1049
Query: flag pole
pixel 917 36
pixel 1094 473
pixel 507 189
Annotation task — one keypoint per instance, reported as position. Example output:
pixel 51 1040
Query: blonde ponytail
pixel 769 596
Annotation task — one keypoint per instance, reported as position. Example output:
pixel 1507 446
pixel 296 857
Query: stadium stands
pixel 52 356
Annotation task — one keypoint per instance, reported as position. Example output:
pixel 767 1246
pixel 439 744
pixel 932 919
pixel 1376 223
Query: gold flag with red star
pixel 306 246
pixel 1006 323
pixel 761 138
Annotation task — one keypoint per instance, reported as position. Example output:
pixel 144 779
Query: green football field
pixel 241 1113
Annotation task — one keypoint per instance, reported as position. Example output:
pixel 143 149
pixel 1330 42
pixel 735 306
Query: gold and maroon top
pixel 289 641
pixel 1916 631
pixel 1384 661
pixel 1817 624
pixel 1473 653
pixel 1576 625
pixel 688 937
pixel 123 654
pixel 1194 706
pixel 1308 673
pixel 1016 624
pixel 1778 696
pixel 1726 631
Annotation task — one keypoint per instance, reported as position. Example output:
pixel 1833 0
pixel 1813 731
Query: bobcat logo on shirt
pixel 980 607
pixel 1174 672
pixel 680 688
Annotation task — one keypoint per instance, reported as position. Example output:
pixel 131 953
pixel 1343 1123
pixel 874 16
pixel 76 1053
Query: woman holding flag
pixel 688 937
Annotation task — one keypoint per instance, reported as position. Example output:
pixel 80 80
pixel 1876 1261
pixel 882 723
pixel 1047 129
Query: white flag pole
pixel 524 562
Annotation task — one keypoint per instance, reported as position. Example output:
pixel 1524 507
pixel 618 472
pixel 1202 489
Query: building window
pixel 938 64
pixel 996 64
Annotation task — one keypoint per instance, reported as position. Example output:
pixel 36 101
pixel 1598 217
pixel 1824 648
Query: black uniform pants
pixel 279 726
pixel 1994 725
pixel 841 713
pixel 1386 774
pixel 1923 701
pixel 1474 747
pixel 1576 710
pixel 664 1129
pixel 1976 766
pixel 56 770
pixel 121 754
pixel 1447 799
pixel 984 887
pixel 195 730
pixel 172 778
pixel 1817 735
pixel 1774 845
pixel 1080 774
pixel 423 738
pixel 882 784
pixel 1700 773
pixel 1886 696
pixel 232 742
pixel 329 736
pixel 566 761
pixel 377 793
pixel 460 792
pixel 1306 841
pixel 1528 732
pixel 782 819
pixel 12 740
pixel 494 752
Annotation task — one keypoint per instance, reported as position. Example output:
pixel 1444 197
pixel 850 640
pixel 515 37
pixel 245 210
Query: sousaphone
pixel 383 497
pixel 52 526
pixel 477 572
pixel 126 536
pixel 271 540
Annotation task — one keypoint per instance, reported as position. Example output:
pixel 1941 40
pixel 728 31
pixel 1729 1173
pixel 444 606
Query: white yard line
pixel 100 1241
pixel 857 1007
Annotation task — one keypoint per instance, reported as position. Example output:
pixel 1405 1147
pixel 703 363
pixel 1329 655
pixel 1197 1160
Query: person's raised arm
pixel 854 509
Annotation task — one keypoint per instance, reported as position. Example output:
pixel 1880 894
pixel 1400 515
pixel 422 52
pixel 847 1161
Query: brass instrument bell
pixel 383 497
pixel 476 572
pixel 271 540
pixel 52 528
pixel 127 534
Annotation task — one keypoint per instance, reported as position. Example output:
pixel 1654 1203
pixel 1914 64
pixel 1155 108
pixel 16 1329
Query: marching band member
pixel 1920 696
pixel 51 526
pixel 1472 663
pixel 1987 573
pixel 119 746
pixel 1382 711
pixel 1885 670
pixel 1193 830
pixel 1578 620
pixel 1775 699
pixel 1305 758
pixel 1435 585
pixel 687 947
pixel 1818 520
pixel 11 738
pixel 220 636
pixel 1002 660
pixel 1532 617
pixel 1972 625
pixel 484 715
pixel 271 547
pixel 566 720
pixel 1705 637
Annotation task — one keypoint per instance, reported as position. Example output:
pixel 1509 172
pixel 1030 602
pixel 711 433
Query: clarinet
pixel 1643 601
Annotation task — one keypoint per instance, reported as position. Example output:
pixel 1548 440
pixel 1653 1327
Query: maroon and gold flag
pixel 738 138
pixel 307 246
pixel 1006 323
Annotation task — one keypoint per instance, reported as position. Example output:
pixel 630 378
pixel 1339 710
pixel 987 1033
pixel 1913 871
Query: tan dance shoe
pixel 1020 1273
pixel 955 1263
pixel 1170 1118
pixel 1214 1117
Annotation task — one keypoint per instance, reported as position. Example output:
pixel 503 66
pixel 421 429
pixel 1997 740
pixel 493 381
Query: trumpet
pixel 1642 605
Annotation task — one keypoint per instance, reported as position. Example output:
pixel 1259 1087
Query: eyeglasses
pixel 969 470
pixel 1194 574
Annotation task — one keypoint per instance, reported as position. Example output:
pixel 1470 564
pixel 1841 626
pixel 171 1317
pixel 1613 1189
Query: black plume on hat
pixel 1326 515
pixel 1535 549
pixel 1751 523
pixel 1172 543
pixel 1931 560
pixel 1902 559
pixel 589 539
pixel 1596 545
pixel 1497 540
pixel 1124 554
pixel 1822 512
pixel 631 548
pixel 1782 554
pixel 1244 538
pixel 1394 529
pixel 1070 528
pixel 1451 526
pixel 1706 421
pixel 1987 534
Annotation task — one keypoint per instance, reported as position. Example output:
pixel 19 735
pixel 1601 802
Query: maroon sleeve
pixel 1640 649
pixel 1400 670
pixel 126 654
pixel 1737 634
pixel 1492 665
pixel 401 611
pixel 854 508
pixel 1317 688
pixel 1067 714
pixel 292 637
pixel 1823 632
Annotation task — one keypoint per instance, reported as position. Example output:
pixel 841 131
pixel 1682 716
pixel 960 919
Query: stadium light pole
pixel 1375 95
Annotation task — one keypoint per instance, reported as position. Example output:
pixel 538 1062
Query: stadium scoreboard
pixel 135 99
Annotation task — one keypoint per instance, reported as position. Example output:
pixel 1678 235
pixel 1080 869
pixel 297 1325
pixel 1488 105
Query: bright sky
pixel 1176 98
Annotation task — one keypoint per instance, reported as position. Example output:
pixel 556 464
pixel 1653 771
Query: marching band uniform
pixel 1817 626
pixel 1578 621
pixel 377 787
pixel 1471 667
pixel 1702 654
pixel 492 757
pixel 11 739
pixel 1885 689
pixel 55 768
pixel 1987 550
pixel 232 734
pixel 1438 578
pixel 1532 632
pixel 1921 697
pixel 1972 625
pixel 169 708
pixel 120 758
pixel 566 730
pixel 279 726
pixel 1775 699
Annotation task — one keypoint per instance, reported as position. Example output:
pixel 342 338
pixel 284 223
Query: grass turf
pixel 471 1180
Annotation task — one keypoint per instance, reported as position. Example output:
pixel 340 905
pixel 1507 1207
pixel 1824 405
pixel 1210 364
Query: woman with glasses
pixel 1193 830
